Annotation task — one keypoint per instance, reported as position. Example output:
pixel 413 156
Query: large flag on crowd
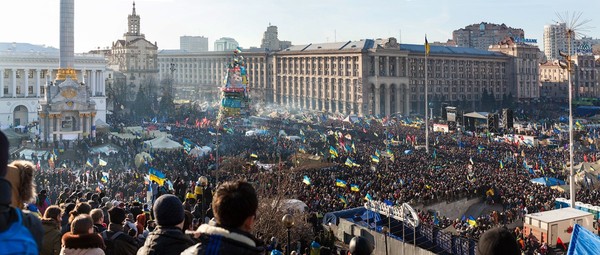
pixel 157 176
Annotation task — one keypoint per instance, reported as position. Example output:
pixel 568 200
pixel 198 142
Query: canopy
pixel 583 241
pixel 105 149
pixel 477 115
pixel 548 181
pixel 162 143
pixel 200 151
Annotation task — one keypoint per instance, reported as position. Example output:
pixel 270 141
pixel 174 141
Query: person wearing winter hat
pixel 82 239
pixel 116 240
pixel 497 241
pixel 234 204
pixel 168 236
pixel 12 214
pixel 360 246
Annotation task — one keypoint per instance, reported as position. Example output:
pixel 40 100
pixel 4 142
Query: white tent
pixel 200 151
pixel 162 143
pixel 290 206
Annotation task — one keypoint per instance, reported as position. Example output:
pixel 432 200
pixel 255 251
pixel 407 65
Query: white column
pixel 1 81
pixel 102 83
pixel 377 109
pixel 37 82
pixel 387 100
pixel 93 82
pixel 14 83
pixel 26 83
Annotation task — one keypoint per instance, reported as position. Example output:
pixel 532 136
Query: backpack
pixel 110 242
pixel 17 239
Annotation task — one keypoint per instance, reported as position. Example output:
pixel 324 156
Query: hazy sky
pixel 99 23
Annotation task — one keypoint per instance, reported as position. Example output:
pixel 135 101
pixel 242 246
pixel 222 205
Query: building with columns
pixel 26 69
pixel 367 77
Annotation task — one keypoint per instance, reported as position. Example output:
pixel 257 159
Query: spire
pixel 133 13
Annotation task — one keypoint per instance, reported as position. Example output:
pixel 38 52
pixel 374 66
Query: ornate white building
pixel 26 69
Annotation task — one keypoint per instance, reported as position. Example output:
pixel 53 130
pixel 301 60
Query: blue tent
pixel 583 241
pixel 548 181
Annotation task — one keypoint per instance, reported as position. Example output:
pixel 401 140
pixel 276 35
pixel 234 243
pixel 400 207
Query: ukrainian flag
pixel 306 180
pixel 102 162
pixel 368 197
pixel 301 149
pixel 501 164
pixel 472 221
pixel 344 200
pixel 374 158
pixel 377 153
pixel 89 163
pixel 427 47
pixel 104 179
pixel 333 151
pixel 354 187
pixel 253 155
pixel 157 176
pixel 348 162
pixel 340 183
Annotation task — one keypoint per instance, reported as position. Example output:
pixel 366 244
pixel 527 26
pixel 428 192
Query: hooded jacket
pixel 219 240
pixel 52 237
pixel 166 240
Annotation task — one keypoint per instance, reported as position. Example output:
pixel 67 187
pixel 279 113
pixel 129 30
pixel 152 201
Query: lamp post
pixel 567 65
pixel 385 230
pixel 203 183
pixel 288 222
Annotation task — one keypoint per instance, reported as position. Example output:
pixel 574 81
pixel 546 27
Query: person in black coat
pixel 234 205
pixel 168 236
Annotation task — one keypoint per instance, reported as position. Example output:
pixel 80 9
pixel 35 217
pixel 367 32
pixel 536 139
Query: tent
pixel 548 181
pixel 105 149
pixel 162 143
pixel 352 118
pixel 142 158
pixel 583 241
pixel 101 126
pixel 291 205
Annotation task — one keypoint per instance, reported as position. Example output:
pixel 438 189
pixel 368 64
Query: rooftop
pixel 558 214
pixel 26 47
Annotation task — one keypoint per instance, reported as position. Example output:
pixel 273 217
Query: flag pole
pixel 426 99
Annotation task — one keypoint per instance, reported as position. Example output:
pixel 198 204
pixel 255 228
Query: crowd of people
pixel 387 163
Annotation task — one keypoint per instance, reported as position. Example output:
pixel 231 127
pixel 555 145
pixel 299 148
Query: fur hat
pixel 116 215
pixel 168 210
pixel 20 175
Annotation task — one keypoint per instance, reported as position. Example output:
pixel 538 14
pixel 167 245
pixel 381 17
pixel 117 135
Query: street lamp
pixel 203 183
pixel 288 222
pixel 385 230
pixel 567 65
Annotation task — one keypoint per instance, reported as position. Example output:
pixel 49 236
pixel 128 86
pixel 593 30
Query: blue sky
pixel 99 23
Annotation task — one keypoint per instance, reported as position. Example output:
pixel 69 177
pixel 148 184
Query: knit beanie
pixel 168 210
pixel 116 215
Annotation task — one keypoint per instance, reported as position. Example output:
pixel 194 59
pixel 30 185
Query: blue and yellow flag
pixel 253 155
pixel 374 158
pixel 427 47
pixel 391 154
pixel 104 179
pixel 306 180
pixel 354 187
pixel 157 176
pixel 301 149
pixel 368 197
pixel 377 153
pixel 102 162
pixel 340 183
pixel 501 164
pixel 333 151
pixel 188 145
pixel 344 200
pixel 472 221
pixel 89 163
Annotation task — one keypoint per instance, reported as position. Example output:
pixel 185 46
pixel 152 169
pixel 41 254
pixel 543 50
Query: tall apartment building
pixel 555 40
pixel 524 71
pixel 271 41
pixel 482 35
pixel 226 44
pixel 135 57
pixel 364 77
pixel 193 43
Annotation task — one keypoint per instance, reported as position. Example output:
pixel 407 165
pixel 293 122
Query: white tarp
pixel 200 151
pixel 162 143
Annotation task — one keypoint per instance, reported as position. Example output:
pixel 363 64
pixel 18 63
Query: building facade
pixel 524 71
pixel 367 77
pixel 193 43
pixel 482 35
pixel 554 84
pixel 25 72
pixel 585 76
pixel 226 44
pixel 555 40
pixel 135 57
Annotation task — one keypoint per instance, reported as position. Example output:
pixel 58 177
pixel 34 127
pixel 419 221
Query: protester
pixel 117 241
pixel 52 236
pixel 82 239
pixel 497 241
pixel 360 246
pixel 234 205
pixel 168 236
pixel 98 218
